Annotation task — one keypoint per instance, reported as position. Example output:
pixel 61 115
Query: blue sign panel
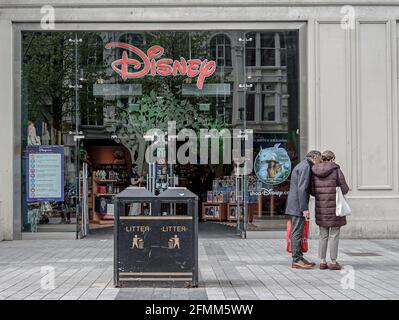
pixel 45 176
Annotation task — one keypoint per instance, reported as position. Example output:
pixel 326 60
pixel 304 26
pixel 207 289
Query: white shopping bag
pixel 342 206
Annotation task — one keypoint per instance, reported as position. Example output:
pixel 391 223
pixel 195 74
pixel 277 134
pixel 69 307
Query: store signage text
pixel 137 228
pixel 174 229
pixel 134 229
pixel 269 192
pixel 151 63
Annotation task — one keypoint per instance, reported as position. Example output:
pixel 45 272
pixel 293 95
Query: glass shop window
pixel 250 50
pixel 268 106
pixel 135 39
pixel 221 50
pixel 267 49
pixel 250 107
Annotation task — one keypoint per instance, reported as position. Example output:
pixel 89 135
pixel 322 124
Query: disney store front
pixel 89 98
pixel 79 96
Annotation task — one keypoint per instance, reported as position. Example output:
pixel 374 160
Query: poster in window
pixel 272 165
pixel 45 176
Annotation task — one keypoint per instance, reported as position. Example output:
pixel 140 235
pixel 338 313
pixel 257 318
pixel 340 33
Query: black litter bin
pixel 156 238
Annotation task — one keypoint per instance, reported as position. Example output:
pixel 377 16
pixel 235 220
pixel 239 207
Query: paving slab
pixel 230 268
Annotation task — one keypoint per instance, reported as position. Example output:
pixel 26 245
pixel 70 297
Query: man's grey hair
pixel 314 154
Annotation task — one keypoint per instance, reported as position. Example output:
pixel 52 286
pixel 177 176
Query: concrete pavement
pixel 230 268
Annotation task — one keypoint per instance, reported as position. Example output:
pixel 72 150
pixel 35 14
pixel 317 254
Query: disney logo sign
pixel 151 63
pixel 269 192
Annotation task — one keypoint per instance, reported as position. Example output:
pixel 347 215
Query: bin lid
pixel 177 193
pixel 135 193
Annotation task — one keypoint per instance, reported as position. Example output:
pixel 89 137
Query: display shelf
pixel 214 211
pixel 101 218
pixel 252 209
pixel 108 217
pixel 122 169
pixel 232 211
pixel 100 181
pixel 161 177
pixel 106 221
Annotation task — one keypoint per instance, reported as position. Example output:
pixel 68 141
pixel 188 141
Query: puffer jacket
pixel 324 182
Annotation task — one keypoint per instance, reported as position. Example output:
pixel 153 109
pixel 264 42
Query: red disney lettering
pixel 125 61
pixel 164 67
pixel 206 70
pixel 193 67
pixel 151 63
pixel 180 67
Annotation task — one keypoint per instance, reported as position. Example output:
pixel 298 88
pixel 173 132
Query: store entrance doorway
pixel 270 108
pixel 108 173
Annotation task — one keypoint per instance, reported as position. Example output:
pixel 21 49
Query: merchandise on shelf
pixel 101 204
pixel 212 211
pixel 224 190
pixel 115 172
pixel 220 196
pixel 101 189
pixel 210 197
pixel 161 177
pixel 232 196
pixel 233 212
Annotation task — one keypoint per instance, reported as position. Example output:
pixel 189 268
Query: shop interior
pixel 110 169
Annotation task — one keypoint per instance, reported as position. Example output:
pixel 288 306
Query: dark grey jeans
pixel 297 224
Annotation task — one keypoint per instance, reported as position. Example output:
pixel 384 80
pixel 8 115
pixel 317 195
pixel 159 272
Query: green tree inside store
pixel 155 112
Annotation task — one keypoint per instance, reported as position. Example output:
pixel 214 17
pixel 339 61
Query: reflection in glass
pixel 220 46
pixel 117 112
pixel 250 107
pixel 268 107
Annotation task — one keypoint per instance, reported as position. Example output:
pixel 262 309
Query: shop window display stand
pixel 98 217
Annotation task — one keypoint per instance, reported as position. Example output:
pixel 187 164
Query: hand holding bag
pixel 305 235
pixel 342 208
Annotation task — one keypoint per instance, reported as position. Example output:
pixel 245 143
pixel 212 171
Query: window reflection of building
pixel 265 60
pixel 266 70
pixel 135 39
pixel 220 46
pixel 221 52
pixel 91 58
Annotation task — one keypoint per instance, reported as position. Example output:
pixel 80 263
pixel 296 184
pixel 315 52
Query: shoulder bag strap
pixel 337 179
